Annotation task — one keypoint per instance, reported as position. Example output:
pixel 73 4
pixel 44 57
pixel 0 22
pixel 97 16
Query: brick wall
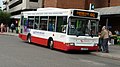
pixel 50 3
pixel 71 4
pixel 114 2
pixel 81 4
pixel 65 3
pixel 104 3
pixel 97 3
pixel 101 3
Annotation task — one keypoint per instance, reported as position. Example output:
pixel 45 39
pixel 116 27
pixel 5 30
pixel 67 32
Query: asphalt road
pixel 16 53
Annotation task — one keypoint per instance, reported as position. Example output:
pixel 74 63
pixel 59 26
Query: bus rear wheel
pixel 50 44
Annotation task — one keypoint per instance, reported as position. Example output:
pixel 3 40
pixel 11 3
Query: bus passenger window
pixel 64 28
pixel 51 24
pixel 30 22
pixel 61 24
pixel 50 27
pixel 35 26
pixel 43 23
pixel 36 22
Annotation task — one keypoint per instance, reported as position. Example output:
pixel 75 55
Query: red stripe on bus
pixel 23 37
pixel 40 41
pixel 57 44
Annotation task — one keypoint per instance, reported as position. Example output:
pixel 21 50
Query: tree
pixel 4 17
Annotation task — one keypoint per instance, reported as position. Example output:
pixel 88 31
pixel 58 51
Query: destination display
pixel 85 14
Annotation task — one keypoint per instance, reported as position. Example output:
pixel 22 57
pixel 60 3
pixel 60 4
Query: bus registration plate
pixel 84 48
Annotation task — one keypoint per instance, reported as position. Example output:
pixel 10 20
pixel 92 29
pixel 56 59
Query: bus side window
pixel 51 24
pixel 36 22
pixel 63 28
pixel 61 24
pixel 43 23
pixel 30 22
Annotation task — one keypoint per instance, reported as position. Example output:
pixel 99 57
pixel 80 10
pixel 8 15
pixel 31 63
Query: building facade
pixel 109 9
pixel 65 3
pixel 15 7
pixel 109 12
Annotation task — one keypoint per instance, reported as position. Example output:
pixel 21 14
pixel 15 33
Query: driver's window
pixel 81 27
pixel 72 26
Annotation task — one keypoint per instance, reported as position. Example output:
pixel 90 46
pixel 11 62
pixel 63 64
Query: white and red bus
pixel 63 29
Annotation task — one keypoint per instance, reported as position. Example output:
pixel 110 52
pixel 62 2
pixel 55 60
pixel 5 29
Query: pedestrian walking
pixel 2 27
pixel 5 28
pixel 105 36
pixel 12 27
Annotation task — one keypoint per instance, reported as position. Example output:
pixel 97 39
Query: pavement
pixel 114 50
pixel 9 33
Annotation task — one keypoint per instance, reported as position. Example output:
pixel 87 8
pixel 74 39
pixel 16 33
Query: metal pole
pixel 107 23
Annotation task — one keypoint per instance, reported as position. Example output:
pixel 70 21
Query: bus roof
pixel 51 8
pixel 48 8
pixel 56 9
pixel 53 12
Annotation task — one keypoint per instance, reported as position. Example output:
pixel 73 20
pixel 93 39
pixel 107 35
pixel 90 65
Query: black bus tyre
pixel 29 39
pixel 51 44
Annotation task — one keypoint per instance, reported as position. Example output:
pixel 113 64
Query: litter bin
pixel 114 39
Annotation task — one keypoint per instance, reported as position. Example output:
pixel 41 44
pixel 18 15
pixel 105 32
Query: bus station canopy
pixel 16 16
pixel 109 10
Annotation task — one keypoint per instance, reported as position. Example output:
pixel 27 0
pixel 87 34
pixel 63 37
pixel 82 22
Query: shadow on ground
pixel 67 52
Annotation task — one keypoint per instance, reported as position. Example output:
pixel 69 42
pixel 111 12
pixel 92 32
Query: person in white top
pixel 12 27
pixel 105 36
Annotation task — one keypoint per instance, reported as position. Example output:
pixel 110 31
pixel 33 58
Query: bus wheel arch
pixel 29 38
pixel 50 43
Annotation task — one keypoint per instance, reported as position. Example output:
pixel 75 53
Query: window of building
pixel 15 3
pixel 33 0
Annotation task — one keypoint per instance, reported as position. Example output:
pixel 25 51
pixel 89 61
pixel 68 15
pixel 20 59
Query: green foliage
pixel 4 17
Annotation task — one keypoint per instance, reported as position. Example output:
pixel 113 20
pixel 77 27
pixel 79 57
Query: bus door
pixel 26 24
pixel 22 23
